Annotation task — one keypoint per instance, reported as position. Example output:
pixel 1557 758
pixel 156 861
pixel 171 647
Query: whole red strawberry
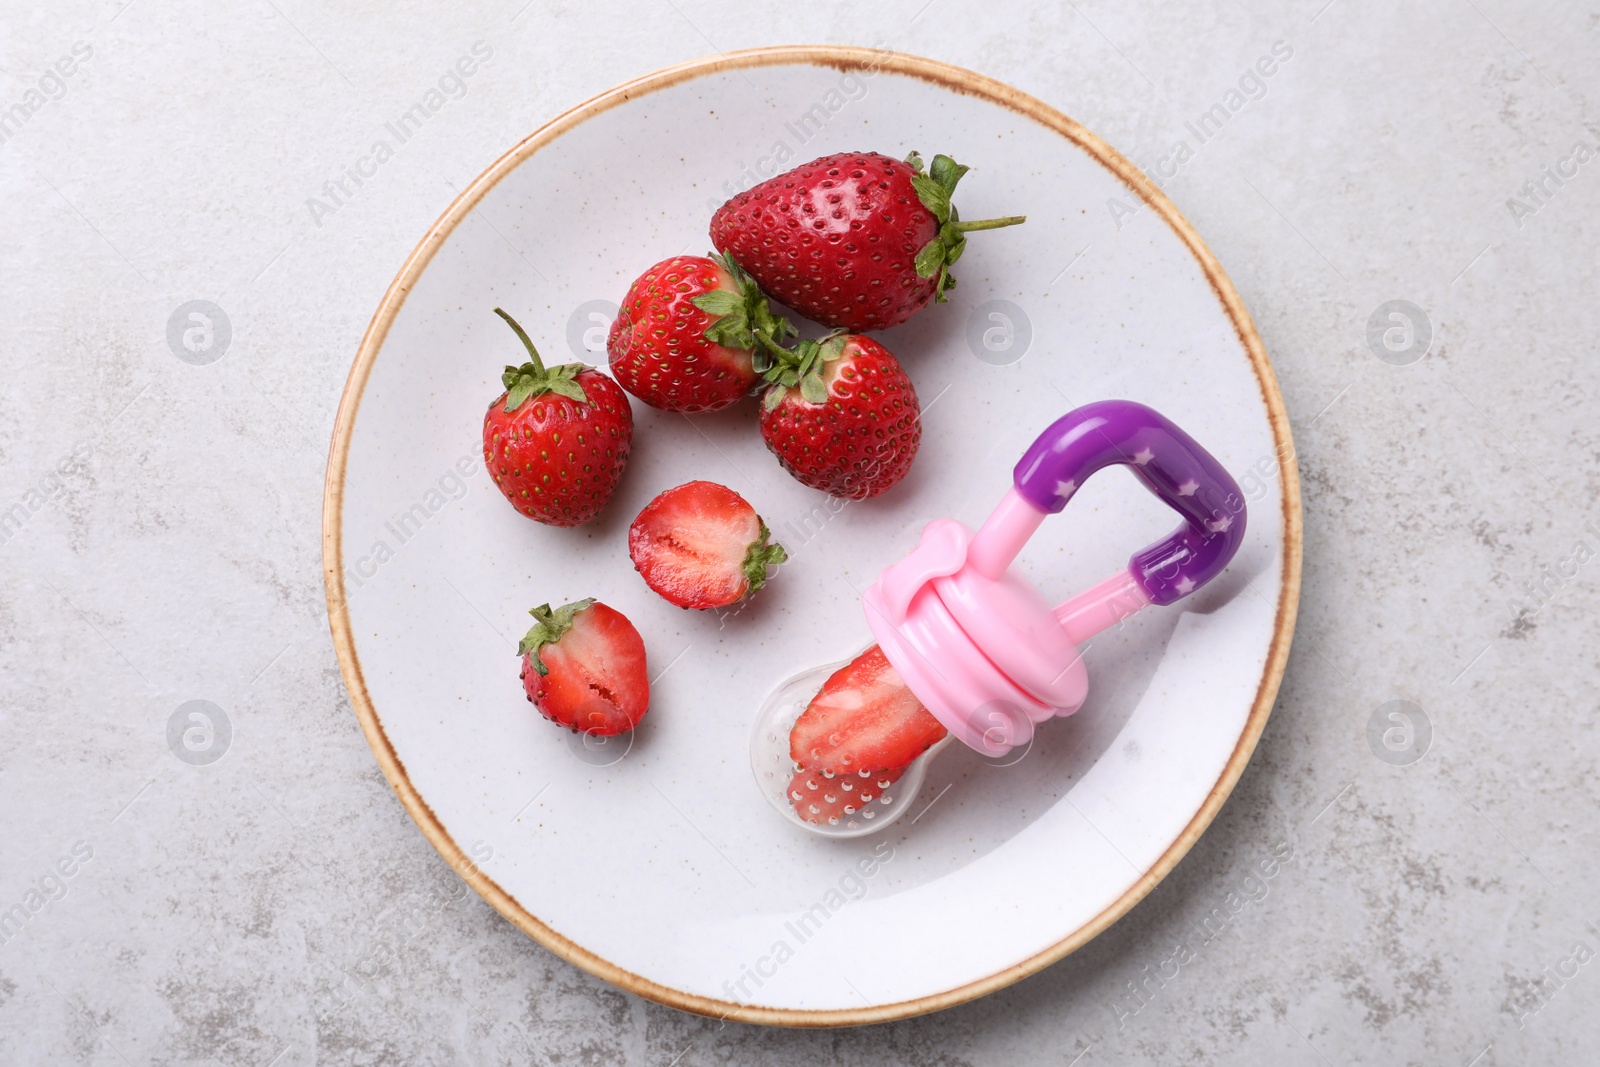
pixel 701 545
pixel 682 340
pixel 842 416
pixel 557 440
pixel 857 240
pixel 583 666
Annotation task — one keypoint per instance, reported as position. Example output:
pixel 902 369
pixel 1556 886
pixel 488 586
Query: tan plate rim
pixel 844 59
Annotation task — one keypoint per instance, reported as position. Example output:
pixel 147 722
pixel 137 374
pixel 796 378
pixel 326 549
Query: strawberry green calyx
pixel 743 319
pixel 934 189
pixel 532 379
pixel 759 556
pixel 548 628
pixel 801 368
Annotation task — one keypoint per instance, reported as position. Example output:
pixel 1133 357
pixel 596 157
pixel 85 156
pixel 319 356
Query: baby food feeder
pixel 975 642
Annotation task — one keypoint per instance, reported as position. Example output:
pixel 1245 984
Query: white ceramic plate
pixel 655 862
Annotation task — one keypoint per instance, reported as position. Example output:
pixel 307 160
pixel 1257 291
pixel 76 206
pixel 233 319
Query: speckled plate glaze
pixel 654 861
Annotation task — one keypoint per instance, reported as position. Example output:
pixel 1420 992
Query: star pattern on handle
pixel 1168 463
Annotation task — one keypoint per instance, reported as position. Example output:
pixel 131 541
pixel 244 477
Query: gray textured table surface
pixel 161 535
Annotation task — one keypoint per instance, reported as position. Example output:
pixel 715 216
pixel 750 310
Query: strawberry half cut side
pixel 864 718
pixel 701 545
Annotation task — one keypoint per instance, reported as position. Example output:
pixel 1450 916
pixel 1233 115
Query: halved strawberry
pixel 583 666
pixel 828 798
pixel 702 545
pixel 863 719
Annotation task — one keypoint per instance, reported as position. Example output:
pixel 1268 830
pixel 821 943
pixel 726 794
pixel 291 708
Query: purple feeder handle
pixel 1170 464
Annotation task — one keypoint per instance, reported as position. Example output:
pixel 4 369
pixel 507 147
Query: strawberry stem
pixel 801 367
pixel 742 319
pixel 772 346
pixel 935 184
pixel 991 224
pixel 527 342
pixel 532 379
pixel 762 553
